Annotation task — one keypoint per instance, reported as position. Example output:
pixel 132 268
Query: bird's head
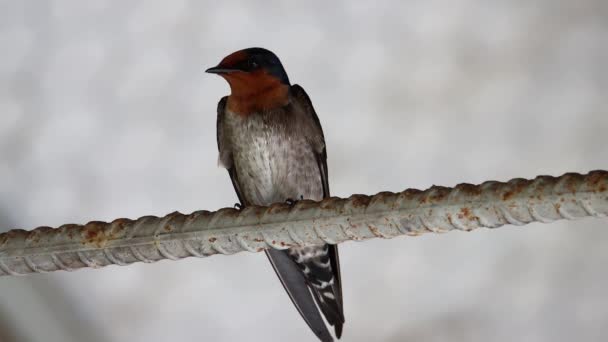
pixel 257 80
pixel 251 70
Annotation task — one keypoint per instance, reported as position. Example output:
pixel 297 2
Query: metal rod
pixel 334 220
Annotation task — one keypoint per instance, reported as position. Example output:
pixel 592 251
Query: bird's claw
pixel 291 202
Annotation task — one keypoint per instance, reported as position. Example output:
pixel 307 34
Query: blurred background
pixel 105 112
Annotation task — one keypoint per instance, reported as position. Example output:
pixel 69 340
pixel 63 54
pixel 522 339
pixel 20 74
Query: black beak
pixel 220 70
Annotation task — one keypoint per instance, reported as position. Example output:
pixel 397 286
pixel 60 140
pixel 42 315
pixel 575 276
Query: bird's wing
pixel 329 297
pixel 316 137
pixel 290 275
pixel 225 154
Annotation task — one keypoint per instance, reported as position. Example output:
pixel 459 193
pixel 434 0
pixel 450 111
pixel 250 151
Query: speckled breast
pixel 272 164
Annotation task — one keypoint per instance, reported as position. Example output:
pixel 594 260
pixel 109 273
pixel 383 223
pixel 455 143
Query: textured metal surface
pixel 386 215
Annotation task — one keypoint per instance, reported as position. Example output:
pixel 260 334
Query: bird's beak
pixel 220 70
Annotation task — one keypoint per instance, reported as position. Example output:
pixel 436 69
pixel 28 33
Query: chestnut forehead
pixel 234 58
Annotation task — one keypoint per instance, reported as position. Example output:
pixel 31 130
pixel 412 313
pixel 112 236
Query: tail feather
pixel 295 284
pixel 320 267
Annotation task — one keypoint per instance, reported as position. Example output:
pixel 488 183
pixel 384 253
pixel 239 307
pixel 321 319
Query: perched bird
pixel 271 142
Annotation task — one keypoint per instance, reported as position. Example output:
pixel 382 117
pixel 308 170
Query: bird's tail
pixel 296 287
pixel 321 268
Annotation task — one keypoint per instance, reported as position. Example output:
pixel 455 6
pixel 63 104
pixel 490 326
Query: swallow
pixel 271 142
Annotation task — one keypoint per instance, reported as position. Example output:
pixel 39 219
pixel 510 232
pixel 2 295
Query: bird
pixel 271 142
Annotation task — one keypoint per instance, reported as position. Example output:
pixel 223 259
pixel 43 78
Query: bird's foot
pixel 238 206
pixel 291 202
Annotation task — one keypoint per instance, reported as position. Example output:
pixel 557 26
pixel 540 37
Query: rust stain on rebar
pixel 94 234
pixel 118 227
pixel 72 231
pixel 516 188
pixel 571 181
pixel 465 213
pixel 230 212
pixel 258 211
pixel 410 193
pixel 595 177
pixel 374 230
pixel 277 208
pixel 33 237
pixel 329 203
pixel 439 194
pixel 469 189
pixel 358 201
pixel 384 197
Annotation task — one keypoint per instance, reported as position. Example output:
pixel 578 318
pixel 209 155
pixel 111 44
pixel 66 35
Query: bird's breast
pixel 272 163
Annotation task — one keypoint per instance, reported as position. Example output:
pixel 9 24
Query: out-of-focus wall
pixel 105 112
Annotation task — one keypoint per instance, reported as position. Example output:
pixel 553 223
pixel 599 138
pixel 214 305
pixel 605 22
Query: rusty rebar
pixel 334 220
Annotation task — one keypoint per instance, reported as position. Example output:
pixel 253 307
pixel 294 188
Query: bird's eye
pixel 253 64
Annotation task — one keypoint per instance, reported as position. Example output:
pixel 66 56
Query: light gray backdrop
pixel 105 112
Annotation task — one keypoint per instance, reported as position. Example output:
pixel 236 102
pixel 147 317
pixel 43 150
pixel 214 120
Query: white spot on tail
pixel 324 284
pixel 329 295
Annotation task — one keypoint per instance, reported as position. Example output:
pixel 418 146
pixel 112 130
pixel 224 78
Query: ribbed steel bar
pixel 334 220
